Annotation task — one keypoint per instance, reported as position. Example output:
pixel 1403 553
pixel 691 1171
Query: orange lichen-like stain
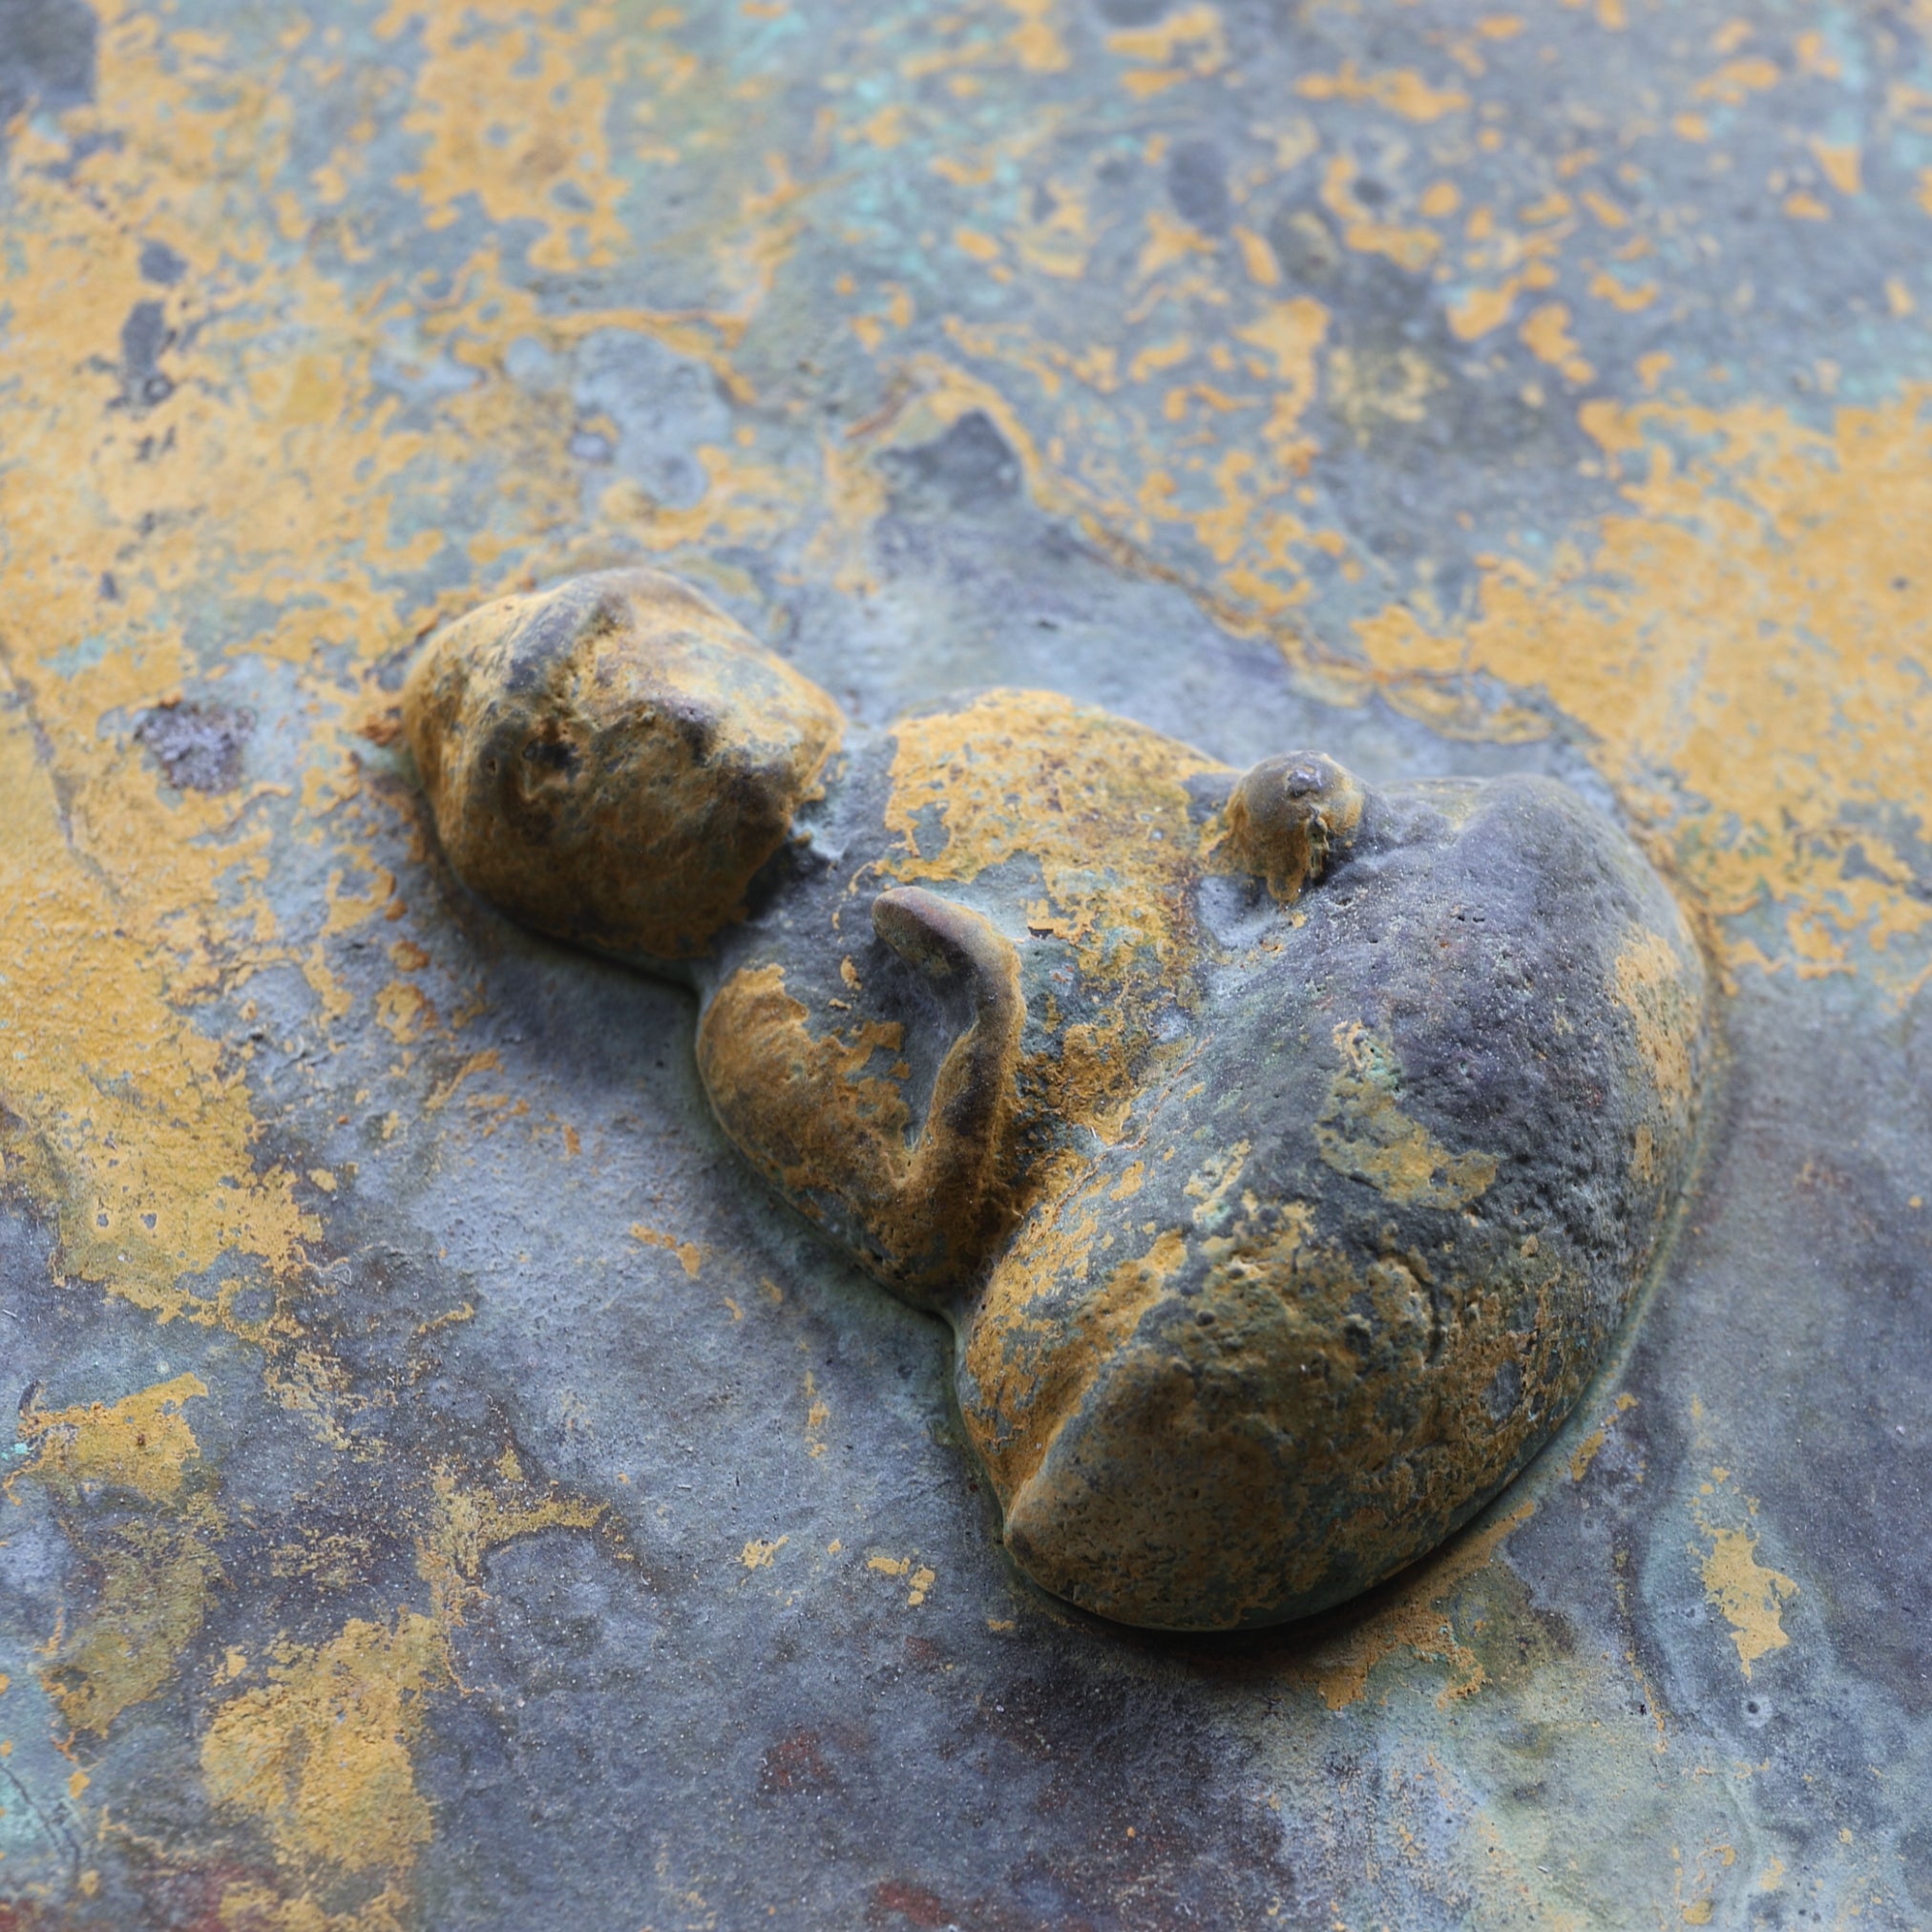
pixel 919 1580
pixel 1099 803
pixel 156 1563
pixel 767 1027
pixel 121 1111
pixel 1648 984
pixel 1744 646
pixel 1546 334
pixel 1482 310
pixel 509 113
pixel 1099 809
pixel 1192 38
pixel 1749 1595
pixel 690 1256
pixel 1401 89
pixel 141 1444
pixel 467 1521
pixel 1364 1133
pixel 1410 248
pixel 320 1757
pixel 1591 1445
pixel 1035 43
pixel 158 1580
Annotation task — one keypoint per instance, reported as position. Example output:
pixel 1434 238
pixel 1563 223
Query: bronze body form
pixel 1283 1151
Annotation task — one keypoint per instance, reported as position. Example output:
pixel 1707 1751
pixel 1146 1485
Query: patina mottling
pixel 1455 388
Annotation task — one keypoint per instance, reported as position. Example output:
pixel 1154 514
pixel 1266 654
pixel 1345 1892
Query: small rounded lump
pixel 612 761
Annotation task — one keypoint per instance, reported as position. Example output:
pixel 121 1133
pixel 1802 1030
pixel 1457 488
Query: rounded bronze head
pixel 612 761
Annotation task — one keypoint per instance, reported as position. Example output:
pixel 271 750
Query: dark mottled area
pixel 145 336
pixel 47 54
pixel 199 747
pixel 160 263
pixel 1197 185
pixel 971 468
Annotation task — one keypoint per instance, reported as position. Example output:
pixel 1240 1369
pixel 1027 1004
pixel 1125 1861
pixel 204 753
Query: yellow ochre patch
pixel 1098 802
pixel 155 1570
pixel 1415 1620
pixel 141 1444
pixel 320 1757
pixel 1647 982
pixel 1364 1133
pixel 1743 644
pixel 1749 1595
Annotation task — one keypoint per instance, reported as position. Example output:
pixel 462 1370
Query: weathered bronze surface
pixel 1284 1152
pixel 449 1490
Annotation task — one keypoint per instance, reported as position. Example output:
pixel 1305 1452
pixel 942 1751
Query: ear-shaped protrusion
pixel 1291 818
pixel 973 1096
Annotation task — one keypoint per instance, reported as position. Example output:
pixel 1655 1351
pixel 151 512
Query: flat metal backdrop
pixel 447 1492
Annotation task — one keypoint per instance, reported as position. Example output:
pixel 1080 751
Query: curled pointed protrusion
pixel 926 1217
pixel 972 1096
pixel 1291 818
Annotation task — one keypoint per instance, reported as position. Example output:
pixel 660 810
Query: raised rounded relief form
pixel 1283 1150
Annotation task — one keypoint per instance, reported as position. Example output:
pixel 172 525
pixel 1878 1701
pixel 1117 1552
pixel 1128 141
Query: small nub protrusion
pixel 1291 818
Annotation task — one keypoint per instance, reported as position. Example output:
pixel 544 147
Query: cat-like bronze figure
pixel 1283 1150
